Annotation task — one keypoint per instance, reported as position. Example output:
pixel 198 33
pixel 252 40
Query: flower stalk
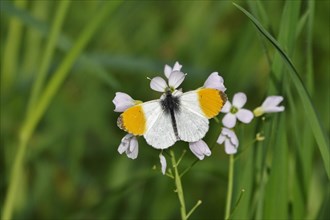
pixel 230 186
pixel 179 189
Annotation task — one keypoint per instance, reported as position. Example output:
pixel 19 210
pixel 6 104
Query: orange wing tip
pixel 224 98
pixel 120 123
pixel 211 101
pixel 133 120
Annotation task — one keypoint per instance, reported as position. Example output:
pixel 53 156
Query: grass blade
pixel 311 115
pixel 48 54
pixel 276 192
pixel 12 50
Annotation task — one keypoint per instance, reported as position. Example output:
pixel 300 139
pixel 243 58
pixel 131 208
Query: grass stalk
pixel 11 50
pixel 309 52
pixel 33 45
pixel 16 173
pixel 48 54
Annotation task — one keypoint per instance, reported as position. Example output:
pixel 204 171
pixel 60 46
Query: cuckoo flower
pixel 129 145
pixel 162 163
pixel 200 149
pixel 174 81
pixel 215 81
pixel 168 70
pixel 175 78
pixel 270 105
pixel 236 111
pixel 230 139
pixel 122 101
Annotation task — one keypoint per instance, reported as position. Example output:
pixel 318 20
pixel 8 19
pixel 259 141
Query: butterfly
pixel 175 116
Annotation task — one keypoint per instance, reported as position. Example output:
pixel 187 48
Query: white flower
pixel 168 70
pixel 163 163
pixel 230 139
pixel 215 81
pixel 122 102
pixel 130 145
pixel 200 149
pixel 175 78
pixel 174 81
pixel 235 110
pixel 270 105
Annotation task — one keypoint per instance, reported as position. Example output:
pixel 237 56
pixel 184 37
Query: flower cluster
pixel 234 112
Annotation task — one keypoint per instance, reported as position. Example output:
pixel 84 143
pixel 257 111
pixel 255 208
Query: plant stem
pixel 16 173
pixel 230 186
pixel 11 50
pixel 199 202
pixel 179 189
pixel 48 54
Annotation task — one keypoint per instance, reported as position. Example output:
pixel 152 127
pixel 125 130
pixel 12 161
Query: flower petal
pixel 124 144
pixel 167 71
pixel 232 136
pixel 133 150
pixel 230 139
pixel 229 120
pixel 239 100
pixel 177 66
pixel 200 149
pixel 163 163
pixel 215 81
pixel 244 115
pixel 158 84
pixel 226 108
pixel 122 101
pixel 274 109
pixel 221 138
pixel 271 104
pixel 230 148
pixel 272 101
pixel 176 78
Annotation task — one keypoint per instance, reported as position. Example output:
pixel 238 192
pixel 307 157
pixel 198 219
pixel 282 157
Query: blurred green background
pixel 71 167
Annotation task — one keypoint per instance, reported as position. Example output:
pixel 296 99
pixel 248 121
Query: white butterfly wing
pixel 191 123
pixel 159 130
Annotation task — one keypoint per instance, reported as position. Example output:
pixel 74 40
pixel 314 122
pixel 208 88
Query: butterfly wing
pixel 191 120
pixel 150 120
pixel 196 107
pixel 160 133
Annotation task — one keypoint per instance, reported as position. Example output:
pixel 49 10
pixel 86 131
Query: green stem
pixel 16 174
pixel 238 201
pixel 11 48
pixel 41 106
pixel 179 188
pixel 48 54
pixel 230 186
pixel 199 202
